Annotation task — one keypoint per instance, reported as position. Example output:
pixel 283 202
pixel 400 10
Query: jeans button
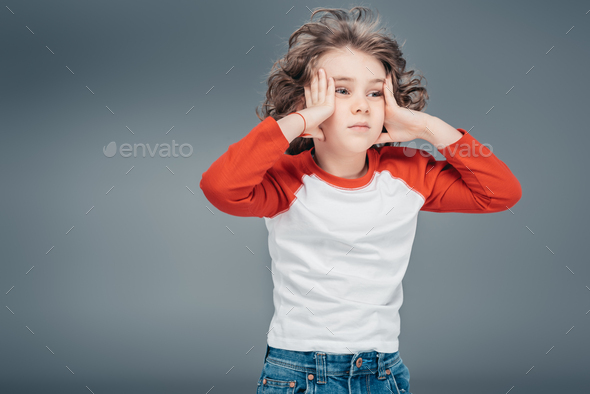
pixel 310 377
pixel 359 362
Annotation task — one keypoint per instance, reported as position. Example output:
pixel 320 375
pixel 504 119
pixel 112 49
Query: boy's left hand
pixel 402 124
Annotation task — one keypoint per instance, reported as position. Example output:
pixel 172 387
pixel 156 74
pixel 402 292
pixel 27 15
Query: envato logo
pixel 126 150
pixel 461 150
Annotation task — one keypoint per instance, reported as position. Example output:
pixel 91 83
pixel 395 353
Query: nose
pixel 360 103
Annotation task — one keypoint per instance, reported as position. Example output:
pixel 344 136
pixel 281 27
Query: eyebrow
pixel 341 78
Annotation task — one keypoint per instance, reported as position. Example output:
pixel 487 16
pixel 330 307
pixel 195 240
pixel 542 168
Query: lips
pixel 360 124
pixel 360 127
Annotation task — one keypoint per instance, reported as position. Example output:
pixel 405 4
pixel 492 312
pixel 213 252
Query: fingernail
pixel 305 135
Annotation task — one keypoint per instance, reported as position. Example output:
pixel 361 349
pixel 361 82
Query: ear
pixel 301 104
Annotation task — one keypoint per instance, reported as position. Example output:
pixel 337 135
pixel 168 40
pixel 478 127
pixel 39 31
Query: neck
pixel 340 169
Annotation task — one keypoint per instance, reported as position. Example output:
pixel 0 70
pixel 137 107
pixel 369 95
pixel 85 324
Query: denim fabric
pixel 288 371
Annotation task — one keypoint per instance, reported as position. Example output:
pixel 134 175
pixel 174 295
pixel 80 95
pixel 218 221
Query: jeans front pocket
pixel 399 378
pixel 277 379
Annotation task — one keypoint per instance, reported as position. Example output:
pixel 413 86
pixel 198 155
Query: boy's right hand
pixel 319 98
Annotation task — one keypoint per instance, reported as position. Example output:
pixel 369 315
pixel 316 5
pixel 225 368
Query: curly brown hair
pixel 336 29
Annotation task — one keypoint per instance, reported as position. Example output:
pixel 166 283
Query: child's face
pixel 358 100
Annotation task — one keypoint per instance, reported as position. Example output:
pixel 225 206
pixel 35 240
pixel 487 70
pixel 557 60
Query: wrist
pixel 439 133
pixel 292 125
pixel 304 122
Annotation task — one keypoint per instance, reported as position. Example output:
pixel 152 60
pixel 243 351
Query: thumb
pixel 320 135
pixel 316 133
pixel 383 137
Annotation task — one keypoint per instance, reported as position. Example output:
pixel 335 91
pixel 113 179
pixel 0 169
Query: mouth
pixel 360 128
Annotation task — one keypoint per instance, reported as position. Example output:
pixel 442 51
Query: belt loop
pixel 381 366
pixel 320 363
pixel 266 355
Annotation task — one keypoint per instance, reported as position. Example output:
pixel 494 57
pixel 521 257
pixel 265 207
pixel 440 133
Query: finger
pixel 331 92
pixel 314 89
pixel 322 86
pixel 307 96
pixel 389 92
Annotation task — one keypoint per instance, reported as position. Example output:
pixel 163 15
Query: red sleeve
pixel 242 182
pixel 471 180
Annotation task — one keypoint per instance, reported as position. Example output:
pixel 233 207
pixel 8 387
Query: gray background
pixel 156 291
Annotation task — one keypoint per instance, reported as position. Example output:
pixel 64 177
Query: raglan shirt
pixel 340 247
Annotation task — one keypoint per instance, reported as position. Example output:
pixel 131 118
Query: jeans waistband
pixel 330 364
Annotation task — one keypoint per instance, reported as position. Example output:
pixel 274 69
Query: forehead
pixel 343 62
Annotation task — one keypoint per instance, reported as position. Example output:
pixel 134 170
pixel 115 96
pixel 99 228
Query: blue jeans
pixel 288 371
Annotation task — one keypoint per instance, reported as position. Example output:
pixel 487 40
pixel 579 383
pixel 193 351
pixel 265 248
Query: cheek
pixel 379 110
pixel 335 117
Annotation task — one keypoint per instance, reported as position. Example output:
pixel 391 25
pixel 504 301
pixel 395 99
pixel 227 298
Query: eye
pixel 378 93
